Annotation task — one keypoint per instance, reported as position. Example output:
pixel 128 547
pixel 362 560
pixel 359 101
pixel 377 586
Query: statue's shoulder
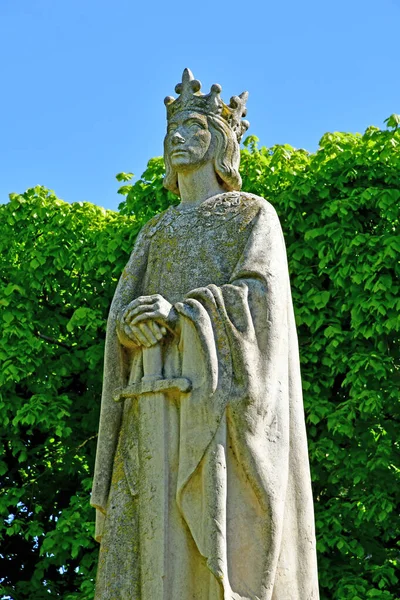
pixel 245 207
pixel 258 204
pixel 236 200
pixel 154 224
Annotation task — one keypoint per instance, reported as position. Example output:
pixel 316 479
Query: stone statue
pixel 202 483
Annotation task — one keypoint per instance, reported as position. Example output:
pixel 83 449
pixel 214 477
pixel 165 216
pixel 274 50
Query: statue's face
pixel 188 142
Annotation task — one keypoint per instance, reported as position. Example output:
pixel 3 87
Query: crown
pixel 191 98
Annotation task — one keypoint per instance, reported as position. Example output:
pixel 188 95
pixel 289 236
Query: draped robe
pixel 240 510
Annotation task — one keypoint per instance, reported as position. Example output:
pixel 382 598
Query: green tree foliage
pixel 59 265
pixel 339 210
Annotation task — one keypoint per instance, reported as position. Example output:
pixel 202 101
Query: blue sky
pixel 84 80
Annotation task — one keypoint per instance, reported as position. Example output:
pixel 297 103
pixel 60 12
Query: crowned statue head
pixel 201 129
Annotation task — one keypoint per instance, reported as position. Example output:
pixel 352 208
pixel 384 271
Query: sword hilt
pixel 152 381
pixel 152 363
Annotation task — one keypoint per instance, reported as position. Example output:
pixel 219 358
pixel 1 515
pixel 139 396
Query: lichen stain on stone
pixel 118 471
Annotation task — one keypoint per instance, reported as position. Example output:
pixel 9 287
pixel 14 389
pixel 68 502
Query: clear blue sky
pixel 84 80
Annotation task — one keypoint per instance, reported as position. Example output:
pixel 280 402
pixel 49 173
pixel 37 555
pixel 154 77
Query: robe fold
pixel 240 511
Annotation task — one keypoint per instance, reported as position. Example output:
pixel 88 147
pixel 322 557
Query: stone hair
pixel 226 160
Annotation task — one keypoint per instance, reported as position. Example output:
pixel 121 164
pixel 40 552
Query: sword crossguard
pixel 152 380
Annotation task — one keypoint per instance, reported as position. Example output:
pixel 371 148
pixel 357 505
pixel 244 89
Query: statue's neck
pixel 196 186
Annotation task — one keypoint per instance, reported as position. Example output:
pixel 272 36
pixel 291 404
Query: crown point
pixel 168 100
pixel 187 75
pixel 196 85
pixel 216 88
pixel 178 88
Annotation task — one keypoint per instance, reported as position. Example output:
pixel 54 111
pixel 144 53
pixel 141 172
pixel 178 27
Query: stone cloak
pixel 243 483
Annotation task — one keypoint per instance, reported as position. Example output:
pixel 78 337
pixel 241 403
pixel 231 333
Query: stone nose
pixel 177 138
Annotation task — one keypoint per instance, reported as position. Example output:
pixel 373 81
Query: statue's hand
pixel 143 334
pixel 155 309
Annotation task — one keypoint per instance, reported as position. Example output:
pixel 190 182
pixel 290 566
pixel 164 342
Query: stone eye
pixel 194 125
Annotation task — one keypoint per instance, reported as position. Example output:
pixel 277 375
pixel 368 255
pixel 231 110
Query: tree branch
pixel 51 340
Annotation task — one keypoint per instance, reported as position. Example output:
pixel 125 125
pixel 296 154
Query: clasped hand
pixel 147 319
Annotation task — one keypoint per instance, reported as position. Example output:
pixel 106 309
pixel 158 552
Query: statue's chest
pixel 192 250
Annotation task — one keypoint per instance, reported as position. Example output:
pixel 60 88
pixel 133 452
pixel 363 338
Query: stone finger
pixel 147 316
pixel 148 333
pixel 143 300
pixel 129 334
pixel 143 341
pixel 139 310
pixel 157 330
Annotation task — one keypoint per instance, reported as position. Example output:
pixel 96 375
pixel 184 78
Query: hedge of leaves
pixel 59 264
pixel 58 267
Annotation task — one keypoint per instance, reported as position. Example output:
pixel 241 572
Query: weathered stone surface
pixel 202 483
